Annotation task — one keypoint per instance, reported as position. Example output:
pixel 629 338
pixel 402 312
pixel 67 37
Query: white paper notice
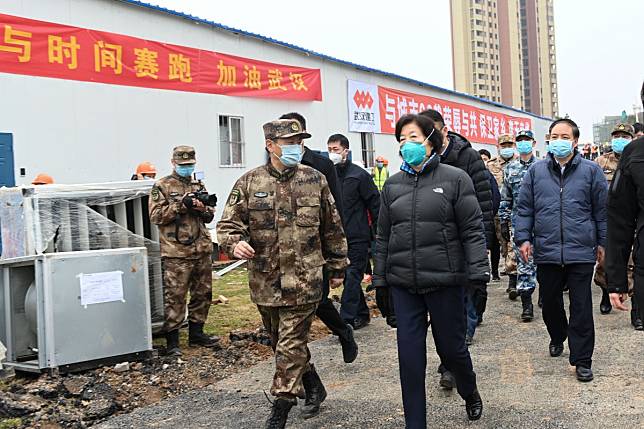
pixel 101 287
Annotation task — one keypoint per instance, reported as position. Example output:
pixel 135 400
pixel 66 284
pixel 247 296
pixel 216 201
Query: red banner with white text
pixel 37 48
pixel 478 125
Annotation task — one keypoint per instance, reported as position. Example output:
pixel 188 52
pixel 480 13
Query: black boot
pixel 636 321
pixel 279 413
pixel 474 406
pixel 349 345
pixel 172 343
pixel 196 336
pixel 512 287
pixel 605 306
pixel 315 393
pixel 526 302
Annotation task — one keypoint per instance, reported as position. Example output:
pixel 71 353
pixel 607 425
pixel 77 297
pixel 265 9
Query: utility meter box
pixel 68 309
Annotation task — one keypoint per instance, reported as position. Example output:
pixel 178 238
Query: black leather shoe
pixel 584 374
pixel 349 345
pixel 474 406
pixel 496 278
pixel 604 306
pixel 360 323
pixel 447 381
pixel 636 321
pixel 556 349
pixel 468 340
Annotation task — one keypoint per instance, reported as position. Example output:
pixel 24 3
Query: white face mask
pixel 336 158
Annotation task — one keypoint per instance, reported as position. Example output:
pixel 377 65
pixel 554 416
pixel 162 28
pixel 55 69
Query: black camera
pixel 208 200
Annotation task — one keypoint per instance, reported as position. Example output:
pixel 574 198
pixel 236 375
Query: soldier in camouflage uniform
pixel 186 250
pixel 507 152
pixel 282 218
pixel 512 178
pixel 621 135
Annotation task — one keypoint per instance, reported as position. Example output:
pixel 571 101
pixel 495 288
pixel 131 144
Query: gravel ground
pixel 521 385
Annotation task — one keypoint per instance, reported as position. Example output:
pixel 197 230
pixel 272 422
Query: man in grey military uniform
pixel 512 177
pixel 282 218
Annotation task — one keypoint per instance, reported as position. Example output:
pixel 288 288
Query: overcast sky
pixel 596 41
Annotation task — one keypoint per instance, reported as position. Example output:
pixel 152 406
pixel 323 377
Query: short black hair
pixel 426 125
pixel 573 125
pixel 341 138
pixel 435 116
pixel 638 127
pixel 294 115
pixel 485 152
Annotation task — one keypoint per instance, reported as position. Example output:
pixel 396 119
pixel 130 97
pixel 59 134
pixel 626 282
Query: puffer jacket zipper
pixel 413 230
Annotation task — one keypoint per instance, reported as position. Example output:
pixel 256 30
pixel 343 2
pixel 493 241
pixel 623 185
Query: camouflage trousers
pixel 181 276
pixel 289 328
pixel 526 272
pixel 507 251
pixel 600 275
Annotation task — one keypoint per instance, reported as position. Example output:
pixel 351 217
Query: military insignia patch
pixel 185 156
pixel 154 194
pixel 235 196
pixel 295 127
pixel 261 194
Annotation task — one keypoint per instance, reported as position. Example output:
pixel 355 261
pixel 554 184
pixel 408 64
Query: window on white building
pixel 231 141
pixel 367 149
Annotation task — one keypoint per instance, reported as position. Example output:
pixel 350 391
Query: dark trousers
pixel 354 305
pixel 637 301
pixel 579 328
pixel 327 313
pixel 446 309
pixel 495 256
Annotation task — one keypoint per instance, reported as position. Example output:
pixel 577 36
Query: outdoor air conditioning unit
pixel 75 310
pixel 47 219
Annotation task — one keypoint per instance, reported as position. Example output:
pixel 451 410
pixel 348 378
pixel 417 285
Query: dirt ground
pixel 84 399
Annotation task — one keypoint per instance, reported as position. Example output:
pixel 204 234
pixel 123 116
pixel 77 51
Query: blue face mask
pixel 380 164
pixel 291 155
pixel 185 170
pixel 524 147
pixel 560 148
pixel 414 153
pixel 619 143
pixel 507 152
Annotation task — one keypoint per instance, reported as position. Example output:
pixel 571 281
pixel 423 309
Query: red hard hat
pixel 42 179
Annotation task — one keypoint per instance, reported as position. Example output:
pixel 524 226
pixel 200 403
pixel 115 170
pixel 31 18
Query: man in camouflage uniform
pixel 620 136
pixel 186 250
pixel 507 152
pixel 282 218
pixel 512 178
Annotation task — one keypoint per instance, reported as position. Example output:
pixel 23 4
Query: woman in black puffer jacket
pixel 430 244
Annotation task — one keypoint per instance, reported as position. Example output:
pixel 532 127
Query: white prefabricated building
pixel 88 132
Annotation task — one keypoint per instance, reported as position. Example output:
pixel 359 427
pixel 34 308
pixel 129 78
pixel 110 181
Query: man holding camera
pixel 181 207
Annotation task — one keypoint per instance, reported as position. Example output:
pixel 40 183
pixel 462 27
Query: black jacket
pixel 359 195
pixel 461 154
pixel 430 231
pixel 626 217
pixel 325 166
